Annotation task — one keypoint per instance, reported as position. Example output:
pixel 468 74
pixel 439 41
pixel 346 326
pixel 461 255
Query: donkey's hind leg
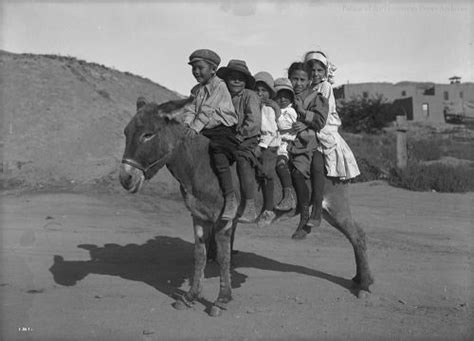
pixel 337 213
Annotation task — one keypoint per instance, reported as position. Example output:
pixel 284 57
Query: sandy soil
pixel 84 266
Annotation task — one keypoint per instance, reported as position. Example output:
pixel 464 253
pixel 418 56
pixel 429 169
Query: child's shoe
pixel 231 206
pixel 265 218
pixel 288 202
pixel 250 213
pixel 303 229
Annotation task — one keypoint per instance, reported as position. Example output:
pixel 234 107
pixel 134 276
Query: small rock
pixel 49 217
pixel 148 332
pixel 35 291
pixel 402 301
pixel 98 296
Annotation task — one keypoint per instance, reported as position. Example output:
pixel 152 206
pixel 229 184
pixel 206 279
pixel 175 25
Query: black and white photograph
pixel 236 170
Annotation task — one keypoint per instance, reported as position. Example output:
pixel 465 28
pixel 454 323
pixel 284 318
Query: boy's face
pixel 262 90
pixel 283 98
pixel 300 80
pixel 318 71
pixel 235 81
pixel 203 71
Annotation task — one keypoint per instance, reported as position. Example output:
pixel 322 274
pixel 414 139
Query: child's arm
pixel 271 103
pixel 215 110
pixel 316 114
pixel 189 113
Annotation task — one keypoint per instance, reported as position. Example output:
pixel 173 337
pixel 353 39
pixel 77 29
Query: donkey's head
pixel 151 138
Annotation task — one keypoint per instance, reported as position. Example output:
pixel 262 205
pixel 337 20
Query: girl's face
pixel 202 71
pixel 262 90
pixel 318 71
pixel 300 80
pixel 283 98
pixel 235 81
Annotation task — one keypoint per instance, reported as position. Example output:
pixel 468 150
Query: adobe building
pixel 419 101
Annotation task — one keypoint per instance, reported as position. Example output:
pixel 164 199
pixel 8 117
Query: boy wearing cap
pixel 239 81
pixel 212 114
pixel 268 145
pixel 285 96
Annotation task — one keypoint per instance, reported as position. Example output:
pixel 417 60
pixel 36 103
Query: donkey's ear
pixel 141 101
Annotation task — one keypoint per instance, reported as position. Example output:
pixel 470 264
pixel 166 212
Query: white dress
pixel 339 159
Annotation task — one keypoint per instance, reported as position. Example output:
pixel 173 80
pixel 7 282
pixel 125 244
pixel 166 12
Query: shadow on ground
pixel 165 263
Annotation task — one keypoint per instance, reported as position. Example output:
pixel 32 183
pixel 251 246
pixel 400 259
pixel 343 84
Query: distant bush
pixel 437 177
pixel 366 115
pixel 424 150
pixel 368 171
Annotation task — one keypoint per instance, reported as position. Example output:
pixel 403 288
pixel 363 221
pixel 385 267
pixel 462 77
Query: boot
pixel 265 218
pixel 250 214
pixel 231 206
pixel 303 229
pixel 315 217
pixel 288 201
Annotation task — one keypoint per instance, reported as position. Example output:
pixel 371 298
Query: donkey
pixel 155 138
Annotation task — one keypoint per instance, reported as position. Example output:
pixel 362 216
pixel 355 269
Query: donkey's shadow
pixel 165 263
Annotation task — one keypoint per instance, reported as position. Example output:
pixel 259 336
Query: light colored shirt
pixel 212 106
pixel 269 130
pixel 285 123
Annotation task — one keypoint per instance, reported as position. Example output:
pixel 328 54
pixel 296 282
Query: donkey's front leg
pixel 223 236
pixel 201 231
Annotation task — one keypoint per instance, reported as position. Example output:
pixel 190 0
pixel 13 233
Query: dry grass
pixel 438 158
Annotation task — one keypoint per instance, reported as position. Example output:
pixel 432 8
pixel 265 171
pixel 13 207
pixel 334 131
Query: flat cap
pixel 206 55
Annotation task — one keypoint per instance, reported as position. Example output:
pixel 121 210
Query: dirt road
pixel 81 266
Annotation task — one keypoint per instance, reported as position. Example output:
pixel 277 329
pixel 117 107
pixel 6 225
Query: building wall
pixel 428 105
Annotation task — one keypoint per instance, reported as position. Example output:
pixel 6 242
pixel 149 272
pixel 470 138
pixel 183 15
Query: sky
pixel 384 41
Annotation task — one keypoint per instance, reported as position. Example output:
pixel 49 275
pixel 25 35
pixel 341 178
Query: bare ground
pixel 85 266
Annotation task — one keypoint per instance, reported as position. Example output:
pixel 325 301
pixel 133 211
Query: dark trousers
pixel 245 167
pixel 222 147
pixel 283 171
pixel 268 159
pixel 317 178
pixel 301 188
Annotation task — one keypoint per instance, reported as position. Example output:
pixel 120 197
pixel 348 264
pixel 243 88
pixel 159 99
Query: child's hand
pixel 299 105
pixel 299 126
pixel 257 152
pixel 190 133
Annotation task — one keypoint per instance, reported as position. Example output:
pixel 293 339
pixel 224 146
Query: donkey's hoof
pixel 215 311
pixel 362 294
pixel 180 305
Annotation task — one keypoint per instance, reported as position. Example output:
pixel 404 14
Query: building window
pixel 365 94
pixel 446 96
pixel 404 93
pixel 425 109
pixel 461 95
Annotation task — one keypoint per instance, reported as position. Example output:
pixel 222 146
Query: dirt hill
pixel 63 118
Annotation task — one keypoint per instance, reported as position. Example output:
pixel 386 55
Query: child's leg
pixel 302 194
pixel 317 187
pixel 288 202
pixel 268 160
pixel 246 175
pixel 221 149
